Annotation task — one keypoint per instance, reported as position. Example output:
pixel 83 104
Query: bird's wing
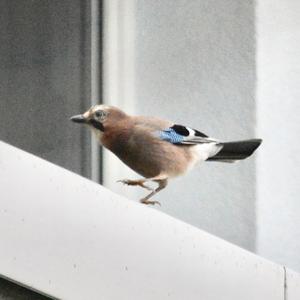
pixel 182 135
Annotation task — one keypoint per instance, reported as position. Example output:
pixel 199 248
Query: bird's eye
pixel 100 114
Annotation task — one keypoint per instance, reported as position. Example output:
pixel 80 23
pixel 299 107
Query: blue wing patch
pixel 171 136
pixel 178 134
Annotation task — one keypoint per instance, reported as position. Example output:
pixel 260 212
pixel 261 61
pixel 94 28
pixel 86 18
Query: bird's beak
pixel 78 119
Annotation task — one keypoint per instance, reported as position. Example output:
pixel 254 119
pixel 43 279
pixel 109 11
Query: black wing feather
pixel 191 136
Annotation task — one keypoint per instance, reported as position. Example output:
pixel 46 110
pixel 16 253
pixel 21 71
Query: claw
pixel 141 183
pixel 150 202
pixel 135 182
pixel 124 181
pixel 129 182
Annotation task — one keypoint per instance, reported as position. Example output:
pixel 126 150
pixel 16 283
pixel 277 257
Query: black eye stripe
pixel 96 124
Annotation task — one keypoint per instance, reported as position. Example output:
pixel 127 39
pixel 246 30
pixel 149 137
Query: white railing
pixel 70 238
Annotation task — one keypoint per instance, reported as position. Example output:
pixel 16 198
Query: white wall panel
pixel 292 285
pixel 278 110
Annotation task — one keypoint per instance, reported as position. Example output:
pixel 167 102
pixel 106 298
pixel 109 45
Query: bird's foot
pixel 149 202
pixel 139 182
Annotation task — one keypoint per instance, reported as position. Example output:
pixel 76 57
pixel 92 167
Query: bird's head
pixel 99 117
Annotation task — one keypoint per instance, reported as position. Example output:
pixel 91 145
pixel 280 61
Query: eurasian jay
pixel 158 149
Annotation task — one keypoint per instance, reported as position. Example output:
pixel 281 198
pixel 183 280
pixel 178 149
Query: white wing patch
pixel 204 151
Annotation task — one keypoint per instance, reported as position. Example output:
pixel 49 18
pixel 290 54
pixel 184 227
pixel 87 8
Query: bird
pixel 158 149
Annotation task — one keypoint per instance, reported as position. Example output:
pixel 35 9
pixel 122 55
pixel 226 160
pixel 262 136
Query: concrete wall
pixel 192 62
pixel 45 78
pixel 278 111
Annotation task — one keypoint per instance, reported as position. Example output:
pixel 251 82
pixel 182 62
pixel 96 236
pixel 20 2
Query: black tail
pixel 236 150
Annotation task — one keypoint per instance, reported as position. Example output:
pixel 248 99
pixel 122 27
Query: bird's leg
pixel 139 182
pixel 162 183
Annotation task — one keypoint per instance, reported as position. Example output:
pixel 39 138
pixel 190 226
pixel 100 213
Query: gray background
pixel 45 78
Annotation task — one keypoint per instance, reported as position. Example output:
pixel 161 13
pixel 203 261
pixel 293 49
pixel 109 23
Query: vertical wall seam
pixel 100 79
pixel 83 84
pixel 256 132
pixel 96 79
pixel 284 284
